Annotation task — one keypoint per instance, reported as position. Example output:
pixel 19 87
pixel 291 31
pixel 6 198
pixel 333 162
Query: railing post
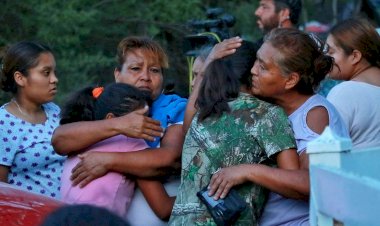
pixel 325 150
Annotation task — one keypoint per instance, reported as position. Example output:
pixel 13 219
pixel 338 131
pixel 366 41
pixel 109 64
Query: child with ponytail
pixel 113 191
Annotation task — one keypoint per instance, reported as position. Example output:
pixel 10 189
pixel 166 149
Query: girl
pixel 355 46
pixel 114 190
pixel 27 122
pixel 231 127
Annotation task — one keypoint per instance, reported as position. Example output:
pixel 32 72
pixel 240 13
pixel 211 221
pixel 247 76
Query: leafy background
pixel 84 33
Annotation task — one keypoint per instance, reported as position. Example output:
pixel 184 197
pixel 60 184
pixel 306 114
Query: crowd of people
pixel 144 156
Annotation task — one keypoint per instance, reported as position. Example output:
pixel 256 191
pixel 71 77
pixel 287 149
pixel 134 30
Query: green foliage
pixel 68 32
pixel 244 11
pixel 84 33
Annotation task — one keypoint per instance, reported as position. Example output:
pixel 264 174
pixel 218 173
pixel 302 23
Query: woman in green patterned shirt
pixel 231 127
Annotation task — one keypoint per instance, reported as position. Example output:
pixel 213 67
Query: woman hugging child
pixel 113 191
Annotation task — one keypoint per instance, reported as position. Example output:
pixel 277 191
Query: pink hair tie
pixel 97 91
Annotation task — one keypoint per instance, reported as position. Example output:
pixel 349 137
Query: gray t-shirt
pixel 290 212
pixel 358 104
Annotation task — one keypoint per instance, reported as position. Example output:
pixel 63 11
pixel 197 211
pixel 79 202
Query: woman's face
pixel 267 79
pixel 197 67
pixel 41 83
pixel 342 68
pixel 142 70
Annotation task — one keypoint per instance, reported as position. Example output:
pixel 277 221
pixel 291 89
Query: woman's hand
pixel 222 49
pixel 224 179
pixel 92 166
pixel 76 136
pixel 137 125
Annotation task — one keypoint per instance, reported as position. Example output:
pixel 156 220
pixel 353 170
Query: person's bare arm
pixel 288 180
pixel 220 50
pixel 291 183
pixel 190 106
pixel 73 137
pixel 145 163
pixel 4 170
pixel 157 197
pixel 151 162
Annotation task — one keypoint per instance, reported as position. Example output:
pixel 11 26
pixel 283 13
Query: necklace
pixel 18 106
pixel 33 118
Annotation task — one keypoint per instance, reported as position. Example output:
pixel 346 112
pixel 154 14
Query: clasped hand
pixel 92 166
pixel 224 179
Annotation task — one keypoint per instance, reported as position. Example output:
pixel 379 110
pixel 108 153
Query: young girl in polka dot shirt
pixel 27 122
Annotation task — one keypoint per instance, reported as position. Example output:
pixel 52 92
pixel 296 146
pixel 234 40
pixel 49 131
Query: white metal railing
pixel 344 182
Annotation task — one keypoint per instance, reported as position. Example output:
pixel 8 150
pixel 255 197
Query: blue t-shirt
pixel 169 110
pixel 26 149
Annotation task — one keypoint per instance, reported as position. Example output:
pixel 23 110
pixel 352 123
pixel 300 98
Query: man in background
pixel 273 14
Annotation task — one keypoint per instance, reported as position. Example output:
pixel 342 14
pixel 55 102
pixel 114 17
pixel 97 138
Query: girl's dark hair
pixel 303 54
pixel 223 79
pixel 81 215
pixel 20 57
pixel 242 62
pixel 117 98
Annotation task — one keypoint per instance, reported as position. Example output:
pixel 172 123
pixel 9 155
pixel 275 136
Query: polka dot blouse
pixel 26 149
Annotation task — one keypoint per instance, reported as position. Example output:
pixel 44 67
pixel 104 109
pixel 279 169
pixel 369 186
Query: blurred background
pixel 84 33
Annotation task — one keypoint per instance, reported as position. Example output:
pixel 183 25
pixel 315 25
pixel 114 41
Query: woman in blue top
pixel 27 122
pixel 140 62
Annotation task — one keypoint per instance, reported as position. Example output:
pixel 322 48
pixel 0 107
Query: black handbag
pixel 224 211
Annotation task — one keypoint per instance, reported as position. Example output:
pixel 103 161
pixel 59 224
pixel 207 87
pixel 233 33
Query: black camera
pixel 216 22
pixel 208 32
pixel 224 211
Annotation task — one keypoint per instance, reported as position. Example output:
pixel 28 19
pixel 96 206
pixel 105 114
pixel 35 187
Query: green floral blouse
pixel 252 132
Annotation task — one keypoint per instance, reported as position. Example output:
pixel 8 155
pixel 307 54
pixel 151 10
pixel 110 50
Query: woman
pixel 140 63
pixel 231 127
pixel 288 78
pixel 355 46
pixel 27 122
pixel 198 64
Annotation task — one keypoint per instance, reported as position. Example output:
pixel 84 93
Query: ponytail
pixel 79 107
